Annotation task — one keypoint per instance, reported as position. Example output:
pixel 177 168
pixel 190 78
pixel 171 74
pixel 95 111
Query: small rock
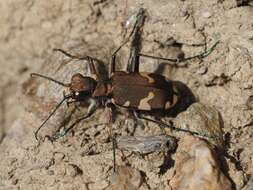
pixel 50 172
pixel 197 168
pixel 102 184
pixel 14 181
pixel 106 116
pixel 73 170
pixel 206 14
pixel 204 120
pixel 184 10
pixel 202 70
pixel 126 178
pixel 249 102
pixel 92 131
pixel 58 156
pixel 249 184
pixel 16 131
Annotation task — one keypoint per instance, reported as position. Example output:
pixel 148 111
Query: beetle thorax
pixel 102 89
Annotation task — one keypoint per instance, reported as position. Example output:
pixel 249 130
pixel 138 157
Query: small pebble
pixel 196 167
pixel 206 14
pixel 202 70
pixel 125 178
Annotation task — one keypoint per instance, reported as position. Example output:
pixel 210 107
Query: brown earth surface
pixel 83 158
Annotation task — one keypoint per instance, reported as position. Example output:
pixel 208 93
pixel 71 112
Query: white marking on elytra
pixel 169 104
pixel 144 105
pixel 126 104
pixel 150 79
pixel 94 76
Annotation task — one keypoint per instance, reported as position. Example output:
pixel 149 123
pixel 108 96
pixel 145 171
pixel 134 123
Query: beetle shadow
pixel 186 99
pixel 168 162
pixel 64 122
pixel 223 155
pixel 186 95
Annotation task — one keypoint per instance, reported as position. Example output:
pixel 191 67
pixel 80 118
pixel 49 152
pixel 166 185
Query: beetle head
pixel 81 87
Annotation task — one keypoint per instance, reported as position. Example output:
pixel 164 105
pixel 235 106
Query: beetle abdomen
pixel 143 91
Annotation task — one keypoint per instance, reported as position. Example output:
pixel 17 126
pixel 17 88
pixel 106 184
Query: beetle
pixel 131 89
pixel 135 91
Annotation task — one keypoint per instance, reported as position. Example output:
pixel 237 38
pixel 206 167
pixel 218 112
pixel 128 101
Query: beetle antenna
pixel 49 78
pixel 50 115
pixel 73 56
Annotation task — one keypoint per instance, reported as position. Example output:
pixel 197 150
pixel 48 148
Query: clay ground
pixel 31 29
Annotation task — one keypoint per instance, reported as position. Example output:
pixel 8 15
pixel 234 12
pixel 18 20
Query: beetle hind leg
pixel 202 55
pixel 137 123
pixel 139 117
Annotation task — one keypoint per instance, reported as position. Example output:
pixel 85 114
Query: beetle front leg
pixel 91 110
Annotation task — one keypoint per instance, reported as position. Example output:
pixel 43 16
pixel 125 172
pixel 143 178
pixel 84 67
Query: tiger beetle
pixel 133 90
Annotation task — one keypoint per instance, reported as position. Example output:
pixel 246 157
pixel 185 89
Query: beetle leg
pixel 91 110
pixel 68 102
pixel 112 64
pixel 74 101
pixel 200 56
pixel 172 127
pixel 114 146
pixel 92 68
pixel 137 121
pixel 138 116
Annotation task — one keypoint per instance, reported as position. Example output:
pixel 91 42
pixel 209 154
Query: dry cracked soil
pixel 82 159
